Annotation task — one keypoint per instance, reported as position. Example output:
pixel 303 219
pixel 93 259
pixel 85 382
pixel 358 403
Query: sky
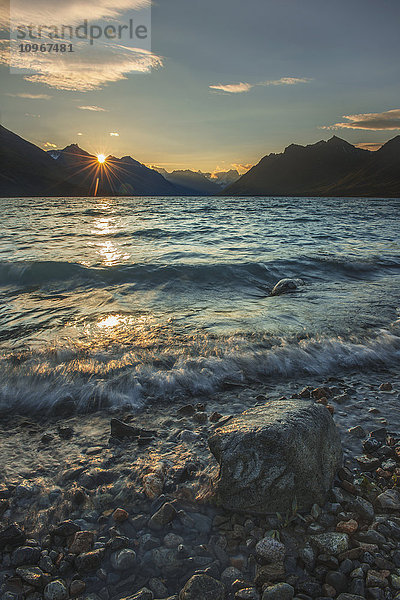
pixel 218 83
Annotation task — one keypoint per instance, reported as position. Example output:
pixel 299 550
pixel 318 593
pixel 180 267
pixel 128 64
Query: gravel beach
pixel 114 505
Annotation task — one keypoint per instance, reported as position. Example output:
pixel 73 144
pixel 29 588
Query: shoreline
pixel 66 469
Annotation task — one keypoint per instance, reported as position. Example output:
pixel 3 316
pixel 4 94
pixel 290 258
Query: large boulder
pixel 272 456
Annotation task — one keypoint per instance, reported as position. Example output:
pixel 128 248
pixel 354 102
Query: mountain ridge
pixel 326 168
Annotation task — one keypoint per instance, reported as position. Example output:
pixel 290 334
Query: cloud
pixel 72 12
pixel 242 168
pixel 372 146
pixel 387 120
pixel 114 134
pixel 86 69
pixel 232 88
pixel 31 96
pixel 237 88
pixel 31 115
pixel 93 108
pixel 286 81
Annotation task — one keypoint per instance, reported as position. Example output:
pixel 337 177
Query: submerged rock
pixel 279 591
pixel 286 285
pixel 120 430
pixel 56 590
pixel 204 587
pixel 276 457
pixel 11 536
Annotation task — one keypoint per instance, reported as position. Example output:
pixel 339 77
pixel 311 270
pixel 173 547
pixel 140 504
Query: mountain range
pixel 332 168
pixel 199 183
pixel 327 168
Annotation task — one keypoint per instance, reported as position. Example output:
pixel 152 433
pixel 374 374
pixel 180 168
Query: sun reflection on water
pixel 110 322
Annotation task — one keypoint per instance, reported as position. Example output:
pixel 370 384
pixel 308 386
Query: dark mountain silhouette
pixel 380 177
pixel 193 183
pixel 224 178
pixel 118 176
pixel 26 170
pixel 301 170
pixel 332 168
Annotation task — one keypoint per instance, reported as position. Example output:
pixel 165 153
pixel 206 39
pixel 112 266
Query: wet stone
pixel 77 587
pixel 337 580
pixel 11 536
pixel 123 559
pixel 331 543
pixel 367 463
pixel 269 574
pixel 89 561
pixel 163 516
pixel 65 529
pixel 247 594
pixel 270 549
pixel 348 527
pixel 389 500
pixel 120 515
pixel 280 591
pixel 25 555
pixel 143 594
pixel 55 590
pixel 204 587
pixel 82 542
pixel 31 575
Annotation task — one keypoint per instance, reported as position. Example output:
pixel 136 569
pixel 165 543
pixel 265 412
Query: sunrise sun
pixel 101 158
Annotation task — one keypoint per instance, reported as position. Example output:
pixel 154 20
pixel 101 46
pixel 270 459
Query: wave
pixel 310 268
pixel 128 378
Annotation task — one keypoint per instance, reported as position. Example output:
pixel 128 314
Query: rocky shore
pixel 118 506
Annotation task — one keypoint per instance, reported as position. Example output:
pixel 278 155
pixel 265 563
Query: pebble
pixel 270 549
pixel 331 543
pixel 120 515
pixel 172 540
pixel 357 431
pixel 77 587
pixel 337 580
pixel 386 387
pixel 247 594
pixel 280 591
pixel 123 559
pixel 55 590
pixel 153 484
pixel 25 555
pixel 350 597
pixel 204 587
pixel 188 436
pixel 348 527
pixel 82 542
pixel 158 588
pixel 89 561
pixel 143 594
pixel 229 575
pixel 163 516
pixel 11 536
pixel 389 500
